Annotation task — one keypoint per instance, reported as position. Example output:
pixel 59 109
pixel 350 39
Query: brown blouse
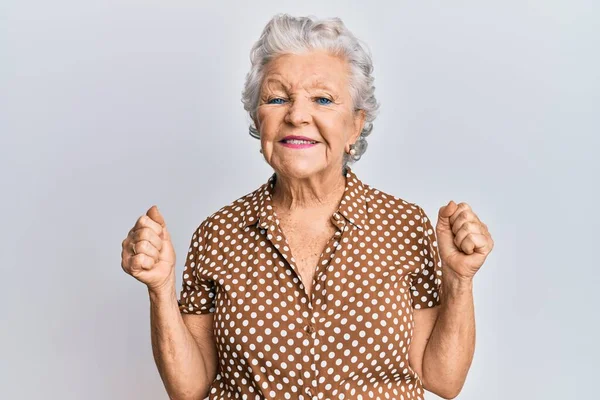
pixel 350 339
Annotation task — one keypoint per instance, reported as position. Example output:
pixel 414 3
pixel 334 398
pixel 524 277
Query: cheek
pixel 269 121
pixel 335 128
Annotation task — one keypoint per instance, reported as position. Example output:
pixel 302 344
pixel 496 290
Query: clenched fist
pixel 148 253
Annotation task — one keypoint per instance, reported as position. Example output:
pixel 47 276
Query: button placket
pixel 334 246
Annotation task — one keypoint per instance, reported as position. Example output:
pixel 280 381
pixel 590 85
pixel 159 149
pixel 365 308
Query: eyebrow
pixel 316 84
pixel 322 85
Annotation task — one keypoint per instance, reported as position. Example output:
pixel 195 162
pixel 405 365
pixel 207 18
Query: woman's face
pixel 307 95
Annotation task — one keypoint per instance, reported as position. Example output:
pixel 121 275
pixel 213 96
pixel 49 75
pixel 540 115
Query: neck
pixel 320 190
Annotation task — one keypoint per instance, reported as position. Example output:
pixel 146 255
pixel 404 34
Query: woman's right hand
pixel 148 253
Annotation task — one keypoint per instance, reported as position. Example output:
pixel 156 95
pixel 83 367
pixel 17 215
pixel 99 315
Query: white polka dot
pixel 377 264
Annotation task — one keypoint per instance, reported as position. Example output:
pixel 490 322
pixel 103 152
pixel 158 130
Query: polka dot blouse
pixel 350 339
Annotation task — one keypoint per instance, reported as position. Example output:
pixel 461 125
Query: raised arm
pixel 446 338
pixel 183 346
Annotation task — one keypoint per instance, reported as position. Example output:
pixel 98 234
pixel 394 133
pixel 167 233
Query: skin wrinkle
pixel 273 85
pixel 310 183
pixel 309 178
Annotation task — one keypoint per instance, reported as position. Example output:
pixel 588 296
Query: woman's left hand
pixel 464 242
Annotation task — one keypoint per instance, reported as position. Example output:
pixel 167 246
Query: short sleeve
pixel 198 290
pixel 427 282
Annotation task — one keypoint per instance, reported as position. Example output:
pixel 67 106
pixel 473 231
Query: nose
pixel 298 112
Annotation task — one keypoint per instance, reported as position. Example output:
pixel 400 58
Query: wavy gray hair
pixel 287 34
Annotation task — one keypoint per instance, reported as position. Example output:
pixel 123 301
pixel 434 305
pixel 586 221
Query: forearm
pixel 177 355
pixel 449 351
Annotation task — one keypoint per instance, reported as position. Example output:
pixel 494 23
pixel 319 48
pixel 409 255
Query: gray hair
pixel 286 34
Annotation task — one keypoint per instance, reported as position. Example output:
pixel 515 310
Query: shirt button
pixel 308 391
pixel 309 329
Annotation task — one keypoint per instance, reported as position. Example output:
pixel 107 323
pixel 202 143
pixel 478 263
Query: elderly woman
pixel 315 285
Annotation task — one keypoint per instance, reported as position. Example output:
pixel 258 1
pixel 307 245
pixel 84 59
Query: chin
pixel 300 169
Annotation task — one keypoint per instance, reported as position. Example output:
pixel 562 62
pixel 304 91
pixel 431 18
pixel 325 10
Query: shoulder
pixel 230 216
pixel 388 205
pixel 404 220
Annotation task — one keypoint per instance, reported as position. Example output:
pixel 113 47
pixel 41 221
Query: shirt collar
pixel 353 206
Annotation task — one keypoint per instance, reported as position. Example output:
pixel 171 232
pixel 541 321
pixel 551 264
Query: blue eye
pixel 275 99
pixel 323 98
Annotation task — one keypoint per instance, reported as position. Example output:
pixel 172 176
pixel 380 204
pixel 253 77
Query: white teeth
pixel 294 141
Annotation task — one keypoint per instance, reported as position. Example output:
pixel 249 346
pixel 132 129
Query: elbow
pixel 189 396
pixel 445 391
pixel 449 395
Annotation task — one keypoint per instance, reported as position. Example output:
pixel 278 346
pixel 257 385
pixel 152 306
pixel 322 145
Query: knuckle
pixel 146 262
pixel 134 265
pixel 153 238
pixel 142 221
pixel 145 234
pixel 143 246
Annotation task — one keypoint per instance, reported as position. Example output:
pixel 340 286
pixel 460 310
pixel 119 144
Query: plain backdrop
pixel 109 107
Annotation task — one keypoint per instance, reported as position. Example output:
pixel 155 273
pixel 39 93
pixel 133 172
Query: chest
pixel 307 242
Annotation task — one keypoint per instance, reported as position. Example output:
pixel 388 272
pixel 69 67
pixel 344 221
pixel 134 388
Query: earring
pixel 260 150
pixel 352 150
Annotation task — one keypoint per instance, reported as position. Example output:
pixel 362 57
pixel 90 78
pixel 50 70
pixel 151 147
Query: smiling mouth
pixel 296 141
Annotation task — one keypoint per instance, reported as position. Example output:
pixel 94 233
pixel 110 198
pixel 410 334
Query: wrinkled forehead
pixel 277 81
pixel 307 71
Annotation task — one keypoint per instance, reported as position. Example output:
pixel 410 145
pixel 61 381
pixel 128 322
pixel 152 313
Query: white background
pixel 109 107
